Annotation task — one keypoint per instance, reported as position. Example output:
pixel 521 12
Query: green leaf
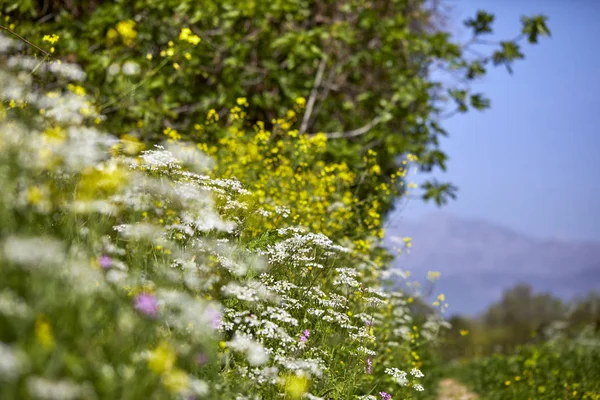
pixel 534 27
pixel 479 102
pixel 475 69
pixel 440 193
pixel 481 24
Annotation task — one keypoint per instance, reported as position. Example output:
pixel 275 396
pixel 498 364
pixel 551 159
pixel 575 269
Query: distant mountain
pixel 478 260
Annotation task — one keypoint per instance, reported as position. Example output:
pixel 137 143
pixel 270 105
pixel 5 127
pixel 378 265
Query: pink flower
pixel 385 396
pixel 369 365
pixel 304 336
pixel 146 304
pixel 105 262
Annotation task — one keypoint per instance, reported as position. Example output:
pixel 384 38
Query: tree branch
pixel 313 96
pixel 327 86
pixel 356 132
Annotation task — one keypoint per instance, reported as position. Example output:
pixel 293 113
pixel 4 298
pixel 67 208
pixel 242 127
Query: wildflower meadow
pixel 131 273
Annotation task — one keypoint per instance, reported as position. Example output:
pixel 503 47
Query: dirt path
pixel 452 390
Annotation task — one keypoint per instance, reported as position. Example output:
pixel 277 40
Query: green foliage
pixel 134 274
pixel 481 24
pixel 529 346
pixel 561 369
pixel 521 317
pixel 364 71
pixel 535 27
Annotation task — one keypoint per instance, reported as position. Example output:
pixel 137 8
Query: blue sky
pixel 532 161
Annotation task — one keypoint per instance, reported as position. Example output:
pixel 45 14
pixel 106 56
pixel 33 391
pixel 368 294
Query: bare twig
pixel 449 114
pixel 356 132
pixel 327 87
pixel 313 96
pixel 48 55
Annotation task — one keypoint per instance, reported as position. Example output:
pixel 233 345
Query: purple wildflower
pixel 369 365
pixel 304 336
pixel 214 316
pixel 146 304
pixel 201 358
pixel 105 262
pixel 385 396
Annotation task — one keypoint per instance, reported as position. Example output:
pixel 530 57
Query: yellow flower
pixel 127 31
pixel 186 35
pixel 441 297
pixel 131 145
pixel 162 358
pixel 52 39
pixel 301 101
pixel 172 133
pixel 107 179
pixel 175 380
pixel 507 383
pixel 54 135
pixel 111 35
pixel 295 386
pixel 212 115
pixel 34 195
pixel 464 332
pixel 43 333
pixel 76 89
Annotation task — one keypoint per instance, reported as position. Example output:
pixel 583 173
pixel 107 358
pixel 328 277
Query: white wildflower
pixel 399 375
pixel 113 69
pixel 13 306
pixel 254 351
pixel 131 68
pixel 11 364
pixel 31 252
pixel 44 389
